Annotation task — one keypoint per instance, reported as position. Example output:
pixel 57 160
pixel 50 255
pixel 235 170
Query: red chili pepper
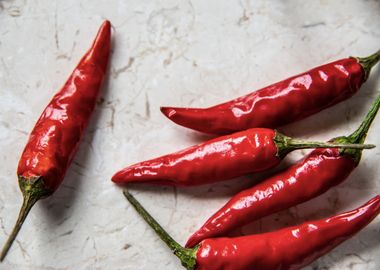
pixel 222 158
pixel 314 175
pixel 283 102
pixel 287 249
pixel 57 133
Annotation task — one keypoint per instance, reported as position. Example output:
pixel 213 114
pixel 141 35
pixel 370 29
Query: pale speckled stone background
pixel 184 53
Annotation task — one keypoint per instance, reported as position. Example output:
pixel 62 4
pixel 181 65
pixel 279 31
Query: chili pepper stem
pixel 359 135
pixel 27 204
pixel 368 62
pixel 286 144
pixel 33 190
pixel 186 255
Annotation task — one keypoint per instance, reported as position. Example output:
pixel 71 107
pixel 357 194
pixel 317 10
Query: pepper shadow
pixel 351 247
pixel 195 137
pixel 57 208
pixel 361 178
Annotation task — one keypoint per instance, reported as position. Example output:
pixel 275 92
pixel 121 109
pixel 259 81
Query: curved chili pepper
pixel 58 132
pixel 319 171
pixel 287 249
pixel 281 103
pixel 222 158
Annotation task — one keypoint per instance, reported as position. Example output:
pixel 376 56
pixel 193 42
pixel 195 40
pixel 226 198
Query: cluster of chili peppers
pixel 319 171
pixel 289 248
pixel 253 146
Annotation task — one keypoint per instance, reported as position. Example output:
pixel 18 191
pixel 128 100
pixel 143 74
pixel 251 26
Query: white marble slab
pixel 184 53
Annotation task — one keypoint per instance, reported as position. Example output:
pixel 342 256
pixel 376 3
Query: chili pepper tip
pixel 193 118
pixel 167 111
pixel 100 49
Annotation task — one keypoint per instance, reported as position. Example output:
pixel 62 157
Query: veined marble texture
pixel 179 53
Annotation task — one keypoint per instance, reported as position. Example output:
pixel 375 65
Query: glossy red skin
pixel 278 104
pixel 215 160
pixel 287 249
pixel 314 175
pixel 55 138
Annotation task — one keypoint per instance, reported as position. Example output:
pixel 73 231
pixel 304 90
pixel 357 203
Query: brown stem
pixel 27 204
pixel 33 189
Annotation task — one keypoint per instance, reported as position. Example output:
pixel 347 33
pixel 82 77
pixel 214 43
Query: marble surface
pixel 180 53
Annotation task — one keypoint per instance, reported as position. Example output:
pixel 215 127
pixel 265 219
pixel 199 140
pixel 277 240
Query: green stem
pixel 27 204
pixel 368 62
pixel 33 189
pixel 359 135
pixel 286 144
pixel 186 255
